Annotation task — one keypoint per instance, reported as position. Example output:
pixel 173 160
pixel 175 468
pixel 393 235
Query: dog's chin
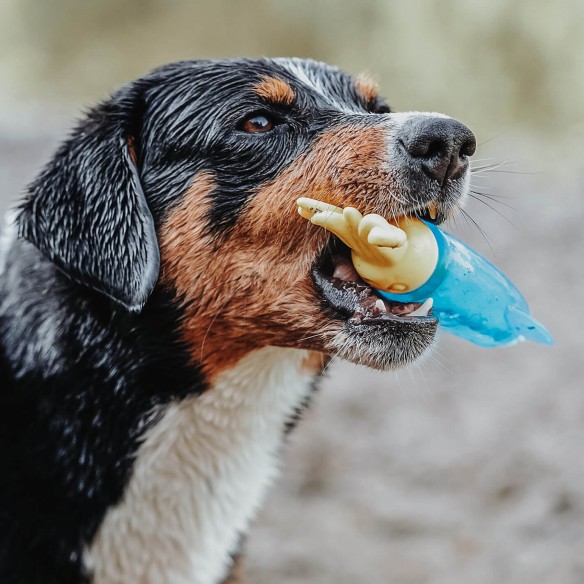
pixel 385 347
pixel 374 332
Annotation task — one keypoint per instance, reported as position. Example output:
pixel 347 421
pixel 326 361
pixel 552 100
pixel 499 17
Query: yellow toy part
pixel 394 258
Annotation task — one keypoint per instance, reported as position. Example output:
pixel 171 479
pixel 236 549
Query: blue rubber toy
pixel 473 299
pixel 414 260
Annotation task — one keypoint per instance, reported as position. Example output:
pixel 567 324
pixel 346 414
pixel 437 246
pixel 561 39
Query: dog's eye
pixel 258 123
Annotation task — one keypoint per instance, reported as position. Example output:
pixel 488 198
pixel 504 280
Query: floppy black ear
pixel 87 211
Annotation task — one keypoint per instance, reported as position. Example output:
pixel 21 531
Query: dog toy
pixel 415 261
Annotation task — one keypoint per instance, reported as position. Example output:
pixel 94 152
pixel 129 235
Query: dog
pixel 165 314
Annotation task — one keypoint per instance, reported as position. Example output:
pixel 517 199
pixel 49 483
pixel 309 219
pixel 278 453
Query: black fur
pixel 90 198
pixel 70 426
pixel 181 137
pixel 74 406
pixel 89 342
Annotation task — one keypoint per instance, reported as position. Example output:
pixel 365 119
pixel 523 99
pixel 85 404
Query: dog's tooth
pixel 380 305
pixel 424 309
pixel 432 210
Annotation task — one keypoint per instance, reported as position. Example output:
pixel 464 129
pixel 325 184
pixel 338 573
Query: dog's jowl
pixel 165 313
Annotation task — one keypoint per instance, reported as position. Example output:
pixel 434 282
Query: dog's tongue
pixel 344 269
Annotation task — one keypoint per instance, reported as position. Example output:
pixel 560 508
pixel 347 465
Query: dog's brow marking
pixel 315 84
pixel 275 90
pixel 366 87
pixel 200 475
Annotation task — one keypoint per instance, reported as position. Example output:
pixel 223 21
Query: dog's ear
pixel 87 211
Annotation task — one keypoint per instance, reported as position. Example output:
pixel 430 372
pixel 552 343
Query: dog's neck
pixel 184 463
pixel 200 474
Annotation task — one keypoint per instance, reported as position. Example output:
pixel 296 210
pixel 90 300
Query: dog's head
pixel 188 179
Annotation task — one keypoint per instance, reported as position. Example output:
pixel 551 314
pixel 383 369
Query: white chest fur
pixel 199 477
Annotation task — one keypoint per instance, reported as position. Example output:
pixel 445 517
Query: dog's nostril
pixel 424 146
pixel 469 147
pixel 439 145
pixel 436 148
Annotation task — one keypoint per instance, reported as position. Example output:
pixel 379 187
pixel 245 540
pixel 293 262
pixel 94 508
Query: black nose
pixel 440 145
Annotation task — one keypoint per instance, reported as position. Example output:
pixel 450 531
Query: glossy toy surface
pixel 475 300
pixel 415 260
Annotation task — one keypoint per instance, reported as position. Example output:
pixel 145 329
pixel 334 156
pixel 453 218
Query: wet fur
pixel 158 253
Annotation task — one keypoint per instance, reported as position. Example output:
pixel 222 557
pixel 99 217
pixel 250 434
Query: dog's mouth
pixel 351 298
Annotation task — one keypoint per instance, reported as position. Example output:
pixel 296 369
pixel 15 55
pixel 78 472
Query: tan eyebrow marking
pixel 275 90
pixel 366 87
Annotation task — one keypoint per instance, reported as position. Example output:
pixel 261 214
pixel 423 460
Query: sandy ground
pixel 466 468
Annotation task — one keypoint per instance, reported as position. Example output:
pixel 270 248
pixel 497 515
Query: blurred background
pixel 468 467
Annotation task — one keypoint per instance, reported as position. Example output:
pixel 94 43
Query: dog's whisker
pixel 202 354
pixel 437 358
pixel 476 160
pixel 478 196
pixel 314 336
pixel 490 167
pixel 468 218
pixel 497 200
pixel 419 367
pixel 332 359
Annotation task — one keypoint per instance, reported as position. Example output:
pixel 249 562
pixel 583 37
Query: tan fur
pixel 229 288
pixel 366 87
pixel 315 363
pixel 253 288
pixel 275 90
pixel 236 572
pixel 132 149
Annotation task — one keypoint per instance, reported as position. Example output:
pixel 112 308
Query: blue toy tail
pixel 527 327
pixel 473 299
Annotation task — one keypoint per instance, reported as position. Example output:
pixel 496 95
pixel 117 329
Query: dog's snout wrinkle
pixel 440 146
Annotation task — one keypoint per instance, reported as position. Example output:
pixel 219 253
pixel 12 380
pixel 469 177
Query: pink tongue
pixel 344 270
pixel 403 309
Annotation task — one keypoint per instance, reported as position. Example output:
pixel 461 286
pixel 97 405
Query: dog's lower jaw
pixel 200 475
pixel 377 347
